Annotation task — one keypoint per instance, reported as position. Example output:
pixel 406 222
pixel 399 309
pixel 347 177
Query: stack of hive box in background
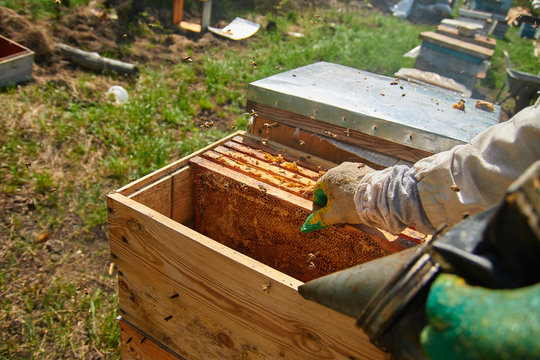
pixel 452 57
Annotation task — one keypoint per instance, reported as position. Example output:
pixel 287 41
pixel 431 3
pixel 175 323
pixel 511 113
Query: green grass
pixel 521 56
pixel 63 147
pixel 41 8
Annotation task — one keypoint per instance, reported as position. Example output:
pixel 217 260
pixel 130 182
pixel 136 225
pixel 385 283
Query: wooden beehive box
pixel 15 62
pixel 185 295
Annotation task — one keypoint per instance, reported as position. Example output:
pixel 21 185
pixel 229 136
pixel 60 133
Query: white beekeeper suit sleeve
pixel 442 188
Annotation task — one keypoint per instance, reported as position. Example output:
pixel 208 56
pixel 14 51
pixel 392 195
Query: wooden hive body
pixel 184 295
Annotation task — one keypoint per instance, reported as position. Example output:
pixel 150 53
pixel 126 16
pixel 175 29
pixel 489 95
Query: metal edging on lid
pixel 414 115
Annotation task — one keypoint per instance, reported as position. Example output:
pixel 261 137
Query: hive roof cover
pixel 418 116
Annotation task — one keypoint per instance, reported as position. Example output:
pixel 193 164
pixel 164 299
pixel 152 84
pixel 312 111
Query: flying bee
pixel 329 133
pixel 270 125
pixel 312 256
pixel 207 124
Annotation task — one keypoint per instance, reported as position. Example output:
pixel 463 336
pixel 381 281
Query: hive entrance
pixel 254 199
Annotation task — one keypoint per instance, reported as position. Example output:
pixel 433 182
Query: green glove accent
pixel 467 322
pixel 333 196
pixel 314 221
pixel 320 198
pixel 311 225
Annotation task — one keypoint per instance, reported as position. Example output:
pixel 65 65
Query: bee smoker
pixel 498 249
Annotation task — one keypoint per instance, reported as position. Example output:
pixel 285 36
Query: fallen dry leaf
pixel 43 236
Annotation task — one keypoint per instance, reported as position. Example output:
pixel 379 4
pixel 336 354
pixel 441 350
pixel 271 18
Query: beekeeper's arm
pixel 440 189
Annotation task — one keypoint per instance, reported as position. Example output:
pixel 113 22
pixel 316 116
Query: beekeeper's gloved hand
pixel 333 196
pixel 467 322
pixel 387 199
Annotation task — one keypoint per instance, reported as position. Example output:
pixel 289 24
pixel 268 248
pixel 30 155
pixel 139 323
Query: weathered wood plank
pixel 277 174
pixel 298 140
pixel 182 195
pixel 136 345
pixel 305 157
pixel 477 39
pixel 158 196
pixel 262 156
pixel 329 130
pixel 177 11
pixel 457 44
pixel 206 301
pixel 470 25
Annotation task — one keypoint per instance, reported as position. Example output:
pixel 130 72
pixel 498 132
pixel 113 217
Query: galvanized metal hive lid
pixel 417 116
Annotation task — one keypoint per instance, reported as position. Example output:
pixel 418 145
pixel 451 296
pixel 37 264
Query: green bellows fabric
pixel 468 322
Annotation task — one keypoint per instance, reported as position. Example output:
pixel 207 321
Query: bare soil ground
pixel 92 29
